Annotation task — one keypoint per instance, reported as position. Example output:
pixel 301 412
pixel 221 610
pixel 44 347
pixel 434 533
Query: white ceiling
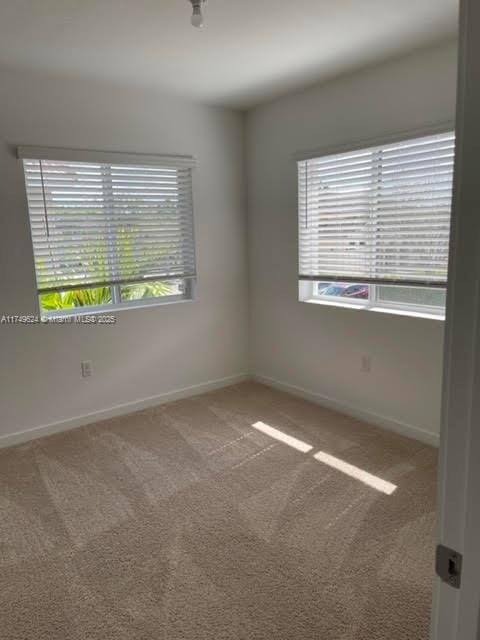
pixel 249 51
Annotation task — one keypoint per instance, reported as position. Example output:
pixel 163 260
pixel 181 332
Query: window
pixel 109 229
pixel 374 225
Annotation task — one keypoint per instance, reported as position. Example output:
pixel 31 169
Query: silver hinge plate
pixel 448 566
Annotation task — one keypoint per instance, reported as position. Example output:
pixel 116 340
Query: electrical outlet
pixel 87 371
pixel 366 364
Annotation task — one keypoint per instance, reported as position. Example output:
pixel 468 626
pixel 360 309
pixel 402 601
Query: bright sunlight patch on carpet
pixel 354 472
pixel 283 437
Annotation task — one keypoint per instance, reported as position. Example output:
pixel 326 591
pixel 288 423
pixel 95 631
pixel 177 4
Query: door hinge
pixel 449 566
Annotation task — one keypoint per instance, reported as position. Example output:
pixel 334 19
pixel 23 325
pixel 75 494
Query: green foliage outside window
pixel 61 300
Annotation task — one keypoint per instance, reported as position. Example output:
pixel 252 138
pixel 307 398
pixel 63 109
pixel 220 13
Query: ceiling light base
pixel 197 15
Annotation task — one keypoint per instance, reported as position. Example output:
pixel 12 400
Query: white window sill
pixel 377 309
pixel 112 309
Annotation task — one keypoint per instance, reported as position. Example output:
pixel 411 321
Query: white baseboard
pixel 118 410
pixel 391 424
pixel 366 415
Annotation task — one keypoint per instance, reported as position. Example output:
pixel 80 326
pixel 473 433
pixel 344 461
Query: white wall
pixel 318 348
pixel 150 351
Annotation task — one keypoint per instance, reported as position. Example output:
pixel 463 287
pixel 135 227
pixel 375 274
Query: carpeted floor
pixel 186 522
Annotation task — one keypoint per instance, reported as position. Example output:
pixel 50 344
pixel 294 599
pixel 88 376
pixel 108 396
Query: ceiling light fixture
pixel 197 15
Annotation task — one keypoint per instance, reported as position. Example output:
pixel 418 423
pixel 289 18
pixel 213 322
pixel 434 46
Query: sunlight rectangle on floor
pixel 354 472
pixel 283 437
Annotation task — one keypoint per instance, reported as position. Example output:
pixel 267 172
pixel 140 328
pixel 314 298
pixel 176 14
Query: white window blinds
pixel 379 215
pixel 100 223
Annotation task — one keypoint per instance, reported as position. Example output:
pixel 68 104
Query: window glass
pixel 113 295
pixel 416 296
pixel 62 300
pixel 369 296
pixel 343 290
pixel 155 289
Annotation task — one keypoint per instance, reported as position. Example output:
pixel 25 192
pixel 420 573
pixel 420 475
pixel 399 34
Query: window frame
pixel 306 288
pixel 308 293
pixel 108 159
pixel 121 305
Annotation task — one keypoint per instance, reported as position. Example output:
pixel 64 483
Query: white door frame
pixel 456 611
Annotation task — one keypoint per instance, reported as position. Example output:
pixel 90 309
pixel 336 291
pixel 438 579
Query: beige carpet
pixel 185 522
